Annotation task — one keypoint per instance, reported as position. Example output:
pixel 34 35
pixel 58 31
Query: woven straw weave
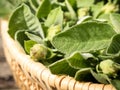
pixel 30 75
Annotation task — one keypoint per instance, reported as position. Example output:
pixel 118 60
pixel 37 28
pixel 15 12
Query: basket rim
pixel 39 71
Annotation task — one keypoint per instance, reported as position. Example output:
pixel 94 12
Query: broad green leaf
pixel 55 17
pixel 28 44
pixel 84 3
pixel 114 46
pixel 84 75
pixel 116 83
pixel 84 37
pixel 102 78
pixel 71 10
pixel 20 37
pixel 23 19
pixel 34 37
pixel 44 9
pixel 62 67
pixel 77 61
pixel 115 20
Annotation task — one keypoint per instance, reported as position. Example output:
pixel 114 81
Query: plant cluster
pixel 79 38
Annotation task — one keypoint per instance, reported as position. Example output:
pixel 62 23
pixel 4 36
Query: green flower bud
pixel 67 16
pixel 107 67
pixel 52 31
pixel 82 12
pixel 38 52
pixel 109 7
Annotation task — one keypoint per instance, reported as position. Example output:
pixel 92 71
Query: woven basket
pixel 30 75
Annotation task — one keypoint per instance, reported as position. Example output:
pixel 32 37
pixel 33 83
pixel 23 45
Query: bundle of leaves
pixel 79 38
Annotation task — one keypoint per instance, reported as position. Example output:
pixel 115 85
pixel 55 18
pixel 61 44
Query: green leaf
pixel 72 3
pixel 62 67
pixel 88 56
pixel 91 59
pixel 34 4
pixel 84 39
pixel 84 3
pixel 85 19
pixel 77 61
pixel 20 37
pixel 71 10
pixel 96 9
pixel 44 9
pixel 114 46
pixel 115 20
pixel 55 17
pixel 116 66
pixel 116 83
pixel 102 78
pixel 84 75
pixel 105 17
pixel 28 44
pixel 23 19
pixel 34 37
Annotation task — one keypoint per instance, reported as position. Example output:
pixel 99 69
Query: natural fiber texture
pixel 30 75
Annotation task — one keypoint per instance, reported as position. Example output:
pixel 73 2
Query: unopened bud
pixel 38 52
pixel 82 12
pixel 109 7
pixel 107 67
pixel 52 31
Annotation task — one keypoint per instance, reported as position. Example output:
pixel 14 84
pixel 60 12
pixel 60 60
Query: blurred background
pixel 6 79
